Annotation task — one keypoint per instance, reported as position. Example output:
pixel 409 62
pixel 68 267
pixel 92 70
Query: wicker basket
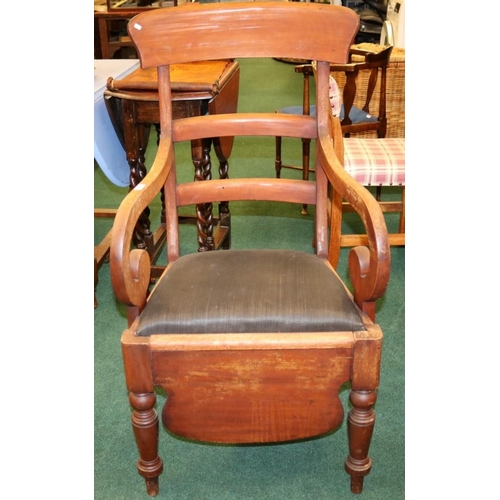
pixel 395 108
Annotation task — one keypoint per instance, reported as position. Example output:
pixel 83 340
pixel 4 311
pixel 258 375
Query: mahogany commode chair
pixel 250 345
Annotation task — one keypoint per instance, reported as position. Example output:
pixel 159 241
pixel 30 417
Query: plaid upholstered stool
pixel 377 162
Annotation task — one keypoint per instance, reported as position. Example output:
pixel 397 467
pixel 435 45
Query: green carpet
pixel 306 470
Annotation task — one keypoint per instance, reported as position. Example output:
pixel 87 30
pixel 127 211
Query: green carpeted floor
pixel 297 471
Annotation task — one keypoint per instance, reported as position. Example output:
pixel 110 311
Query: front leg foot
pixel 152 486
pixel 145 425
pixel 360 423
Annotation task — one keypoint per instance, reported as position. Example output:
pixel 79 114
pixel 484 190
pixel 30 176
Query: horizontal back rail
pixel 264 189
pixel 199 32
pixel 244 124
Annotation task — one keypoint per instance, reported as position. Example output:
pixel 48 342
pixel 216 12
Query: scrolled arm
pixel 131 268
pixel 369 267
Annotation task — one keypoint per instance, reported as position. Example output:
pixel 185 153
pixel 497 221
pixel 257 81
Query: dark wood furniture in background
pixel 111 40
pixel 110 35
pixel 354 120
pixel 198 88
pixel 363 85
pixel 237 364
pixel 108 152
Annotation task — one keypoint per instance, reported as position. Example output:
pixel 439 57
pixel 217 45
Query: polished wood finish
pixel 250 387
pixel 132 102
pixel 199 88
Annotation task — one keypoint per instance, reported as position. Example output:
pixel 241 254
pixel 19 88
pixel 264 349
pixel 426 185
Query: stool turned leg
pixel 145 425
pixel 360 428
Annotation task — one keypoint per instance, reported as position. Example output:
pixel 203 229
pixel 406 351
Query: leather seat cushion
pixel 249 291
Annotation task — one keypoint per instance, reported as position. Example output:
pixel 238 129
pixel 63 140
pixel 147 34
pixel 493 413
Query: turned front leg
pixel 145 425
pixel 360 423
